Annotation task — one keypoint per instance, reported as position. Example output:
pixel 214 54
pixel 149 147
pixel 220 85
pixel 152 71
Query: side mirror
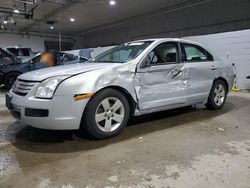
pixel 145 62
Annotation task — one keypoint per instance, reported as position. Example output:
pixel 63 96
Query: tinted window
pixel 24 52
pixel 193 53
pixel 165 53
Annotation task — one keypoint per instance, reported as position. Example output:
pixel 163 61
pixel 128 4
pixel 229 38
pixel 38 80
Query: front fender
pixel 93 81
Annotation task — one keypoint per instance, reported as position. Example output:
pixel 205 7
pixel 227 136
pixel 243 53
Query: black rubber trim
pixel 36 112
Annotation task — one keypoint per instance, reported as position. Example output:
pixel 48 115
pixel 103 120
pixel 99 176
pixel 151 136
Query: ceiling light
pixel 16 11
pixel 51 27
pixel 112 2
pixel 72 19
pixel 31 2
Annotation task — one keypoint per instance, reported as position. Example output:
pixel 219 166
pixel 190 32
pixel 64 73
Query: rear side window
pixel 194 53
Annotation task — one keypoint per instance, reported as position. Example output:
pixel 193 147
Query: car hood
pixel 41 74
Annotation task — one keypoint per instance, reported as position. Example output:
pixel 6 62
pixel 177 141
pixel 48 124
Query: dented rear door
pixel 201 70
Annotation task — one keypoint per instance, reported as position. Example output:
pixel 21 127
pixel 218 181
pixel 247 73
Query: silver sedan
pixel 131 79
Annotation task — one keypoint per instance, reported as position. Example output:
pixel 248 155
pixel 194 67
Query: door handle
pixel 213 68
pixel 176 73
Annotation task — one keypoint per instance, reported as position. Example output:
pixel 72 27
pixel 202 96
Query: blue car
pixel 7 58
pixel 10 71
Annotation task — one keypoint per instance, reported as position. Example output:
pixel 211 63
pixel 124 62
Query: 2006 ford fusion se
pixel 131 79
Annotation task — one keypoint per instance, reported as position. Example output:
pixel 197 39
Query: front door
pixel 160 79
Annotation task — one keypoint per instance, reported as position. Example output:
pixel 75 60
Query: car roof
pixel 16 47
pixel 167 39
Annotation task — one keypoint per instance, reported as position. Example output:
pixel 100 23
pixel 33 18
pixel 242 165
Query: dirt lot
pixel 178 148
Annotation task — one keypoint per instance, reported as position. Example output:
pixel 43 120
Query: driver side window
pixel 165 53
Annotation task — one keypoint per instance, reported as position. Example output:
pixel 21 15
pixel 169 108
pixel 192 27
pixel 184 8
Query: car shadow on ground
pixel 45 141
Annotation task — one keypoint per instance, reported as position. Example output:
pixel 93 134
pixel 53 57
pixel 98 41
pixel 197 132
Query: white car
pixel 131 79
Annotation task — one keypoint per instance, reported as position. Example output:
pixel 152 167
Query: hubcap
pixel 219 94
pixel 109 114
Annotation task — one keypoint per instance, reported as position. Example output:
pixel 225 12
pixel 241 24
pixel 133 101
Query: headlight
pixel 47 88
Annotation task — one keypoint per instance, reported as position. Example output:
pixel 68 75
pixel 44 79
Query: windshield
pixel 122 53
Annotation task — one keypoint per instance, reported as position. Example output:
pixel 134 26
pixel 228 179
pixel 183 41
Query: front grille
pixel 22 87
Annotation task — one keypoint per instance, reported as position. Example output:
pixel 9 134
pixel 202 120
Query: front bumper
pixel 59 113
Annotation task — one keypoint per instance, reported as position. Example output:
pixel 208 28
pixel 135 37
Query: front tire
pixel 106 114
pixel 217 96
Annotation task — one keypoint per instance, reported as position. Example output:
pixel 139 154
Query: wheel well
pixel 11 72
pixel 127 95
pixel 224 80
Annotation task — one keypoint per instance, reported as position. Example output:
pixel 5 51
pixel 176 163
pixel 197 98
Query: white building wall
pixel 236 45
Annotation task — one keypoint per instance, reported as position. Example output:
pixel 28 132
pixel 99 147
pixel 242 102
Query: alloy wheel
pixel 109 114
pixel 219 94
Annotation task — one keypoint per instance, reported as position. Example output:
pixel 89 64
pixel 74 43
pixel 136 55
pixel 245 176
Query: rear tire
pixel 106 114
pixel 217 96
pixel 10 78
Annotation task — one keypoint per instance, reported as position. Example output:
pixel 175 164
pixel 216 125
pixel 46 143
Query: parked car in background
pixel 61 58
pixel 7 58
pixel 134 78
pixel 8 74
pixel 21 52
